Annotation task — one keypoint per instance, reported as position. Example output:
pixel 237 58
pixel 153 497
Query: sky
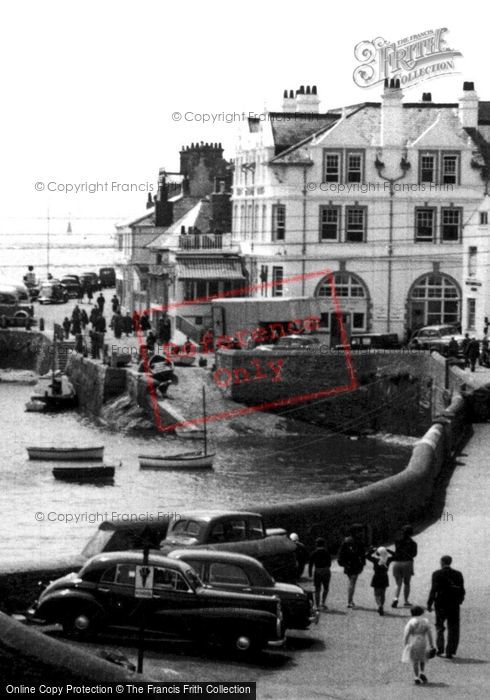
pixel 89 88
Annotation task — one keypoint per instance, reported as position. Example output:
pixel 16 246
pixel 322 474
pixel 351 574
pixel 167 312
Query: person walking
pixel 99 329
pixel 380 559
pixel 66 327
pixel 405 552
pixel 150 341
pixel 473 352
pixel 464 346
pixel 301 553
pixel 115 304
pixel 418 643
pixel 319 565
pixel 117 325
pixel 80 294
pixel 352 559
pixel 76 325
pixel 90 292
pixel 453 348
pixel 127 324
pixel 447 594
pixel 164 330
pixel 94 315
pixel 84 319
pixel 101 302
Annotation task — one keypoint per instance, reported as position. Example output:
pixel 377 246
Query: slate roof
pixel 197 217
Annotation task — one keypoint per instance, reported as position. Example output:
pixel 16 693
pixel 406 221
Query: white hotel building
pixel 391 196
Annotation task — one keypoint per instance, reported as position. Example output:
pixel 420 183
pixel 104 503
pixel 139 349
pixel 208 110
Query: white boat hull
pixel 66 454
pixel 189 460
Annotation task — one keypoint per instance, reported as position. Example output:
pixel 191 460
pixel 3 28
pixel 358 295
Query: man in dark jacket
pixel 473 352
pixel 447 594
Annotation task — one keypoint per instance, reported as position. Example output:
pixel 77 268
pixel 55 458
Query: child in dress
pixel 418 642
pixel 380 559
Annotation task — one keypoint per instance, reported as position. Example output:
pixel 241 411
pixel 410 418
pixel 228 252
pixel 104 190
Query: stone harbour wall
pixel 20 349
pixel 396 392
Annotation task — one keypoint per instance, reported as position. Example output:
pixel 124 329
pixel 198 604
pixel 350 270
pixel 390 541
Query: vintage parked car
pixel 435 338
pixel 115 590
pixel 107 276
pixel 13 311
pixel 372 341
pixel 234 531
pixel 242 574
pixel 53 293
pixel 90 279
pixel 72 285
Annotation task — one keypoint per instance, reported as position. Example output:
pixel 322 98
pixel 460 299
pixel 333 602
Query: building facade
pixel 392 197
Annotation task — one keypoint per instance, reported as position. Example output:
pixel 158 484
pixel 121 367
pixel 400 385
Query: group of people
pixel 470 348
pixel 446 594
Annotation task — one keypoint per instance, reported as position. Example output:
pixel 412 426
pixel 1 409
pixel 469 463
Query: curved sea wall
pixel 32 657
pixel 381 508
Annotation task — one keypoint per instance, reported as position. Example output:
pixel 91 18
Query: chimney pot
pixel 285 94
pixel 313 90
pixel 302 90
pixel 397 83
pixel 291 94
pixel 308 90
pixel 467 86
pixel 386 83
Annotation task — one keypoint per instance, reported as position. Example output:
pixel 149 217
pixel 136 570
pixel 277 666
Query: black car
pixel 90 280
pixel 234 531
pixel 71 284
pixel 107 276
pixel 120 589
pixel 242 574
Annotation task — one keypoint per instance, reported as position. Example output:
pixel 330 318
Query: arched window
pixel 434 299
pixel 346 285
pixel 353 297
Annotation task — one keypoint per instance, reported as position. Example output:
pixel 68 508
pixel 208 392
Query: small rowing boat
pixel 66 454
pixel 186 460
pixel 84 472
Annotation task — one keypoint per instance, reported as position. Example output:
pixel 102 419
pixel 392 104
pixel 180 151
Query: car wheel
pixel 82 624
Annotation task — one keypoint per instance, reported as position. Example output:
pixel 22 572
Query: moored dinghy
pixel 84 472
pixel 185 460
pixel 66 454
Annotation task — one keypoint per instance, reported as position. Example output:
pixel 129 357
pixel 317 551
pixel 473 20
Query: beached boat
pixel 66 454
pixel 185 460
pixel 59 394
pixel 84 472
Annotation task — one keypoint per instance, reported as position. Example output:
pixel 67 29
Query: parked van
pixel 13 312
pixel 107 276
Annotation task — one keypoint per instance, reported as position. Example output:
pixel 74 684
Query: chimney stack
pixel 468 106
pixel 427 97
pixel 289 101
pixel 392 114
pixel 307 100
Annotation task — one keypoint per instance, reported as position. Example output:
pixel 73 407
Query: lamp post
pixel 405 167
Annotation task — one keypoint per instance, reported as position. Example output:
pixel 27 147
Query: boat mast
pixel 204 415
pixel 47 249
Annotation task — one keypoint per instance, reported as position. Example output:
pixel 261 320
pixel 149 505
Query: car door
pixel 174 607
pixel 231 534
pixel 116 592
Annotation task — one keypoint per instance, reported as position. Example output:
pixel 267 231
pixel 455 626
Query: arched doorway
pixel 434 299
pixel 353 297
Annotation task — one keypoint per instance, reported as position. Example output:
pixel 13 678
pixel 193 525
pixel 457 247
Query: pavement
pixel 360 657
